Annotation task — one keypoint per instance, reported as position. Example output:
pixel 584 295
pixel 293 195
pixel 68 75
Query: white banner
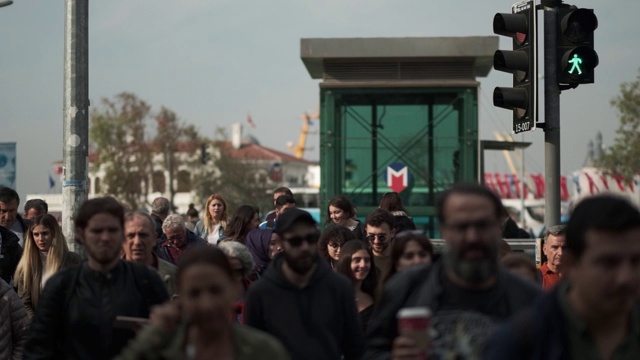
pixel 8 165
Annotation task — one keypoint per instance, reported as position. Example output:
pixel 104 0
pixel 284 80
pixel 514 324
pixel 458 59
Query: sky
pixel 215 61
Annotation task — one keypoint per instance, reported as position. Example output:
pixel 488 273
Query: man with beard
pixel 79 305
pixel 301 301
pixel 379 233
pixel 595 313
pixel 466 290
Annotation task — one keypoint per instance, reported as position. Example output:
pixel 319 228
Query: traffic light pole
pixel 552 116
pixel 76 114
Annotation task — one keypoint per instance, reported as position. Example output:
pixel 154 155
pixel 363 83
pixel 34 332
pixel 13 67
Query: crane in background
pixel 299 149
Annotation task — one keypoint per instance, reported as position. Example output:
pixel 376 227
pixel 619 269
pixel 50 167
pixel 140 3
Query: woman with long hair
pixel 45 253
pixel 409 248
pixel 200 324
pixel 214 223
pixel 392 202
pixel 341 211
pixel 244 219
pixel 356 263
pixel 331 242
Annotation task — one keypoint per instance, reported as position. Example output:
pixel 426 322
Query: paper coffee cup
pixel 414 322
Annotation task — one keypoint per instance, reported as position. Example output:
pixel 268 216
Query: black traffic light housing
pixel 576 57
pixel 522 98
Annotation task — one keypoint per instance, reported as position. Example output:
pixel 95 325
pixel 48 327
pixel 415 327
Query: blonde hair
pixel 29 273
pixel 208 219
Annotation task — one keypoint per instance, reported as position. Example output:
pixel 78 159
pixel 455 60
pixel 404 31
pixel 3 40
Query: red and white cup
pixel 414 323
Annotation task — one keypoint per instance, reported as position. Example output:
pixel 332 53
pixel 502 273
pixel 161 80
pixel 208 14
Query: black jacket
pixel 11 253
pixel 157 224
pixel 540 333
pixel 402 222
pixel 317 322
pixel 78 306
pixel 421 286
pixel 163 252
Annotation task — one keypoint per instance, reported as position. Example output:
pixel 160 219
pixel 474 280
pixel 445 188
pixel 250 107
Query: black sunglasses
pixel 311 239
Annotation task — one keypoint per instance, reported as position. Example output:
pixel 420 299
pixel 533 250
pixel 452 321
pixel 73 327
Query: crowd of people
pixel 226 286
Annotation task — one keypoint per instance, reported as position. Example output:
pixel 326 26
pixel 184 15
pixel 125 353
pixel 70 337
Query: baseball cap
pixel 291 217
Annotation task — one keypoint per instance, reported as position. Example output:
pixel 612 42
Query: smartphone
pixel 129 322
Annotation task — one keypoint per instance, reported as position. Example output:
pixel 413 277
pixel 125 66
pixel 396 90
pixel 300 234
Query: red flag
pixel 250 121
pixel 564 190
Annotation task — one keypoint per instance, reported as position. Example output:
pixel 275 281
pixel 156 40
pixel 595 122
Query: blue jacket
pixel 539 333
pixel 201 232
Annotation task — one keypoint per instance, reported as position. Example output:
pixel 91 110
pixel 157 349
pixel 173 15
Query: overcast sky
pixel 213 61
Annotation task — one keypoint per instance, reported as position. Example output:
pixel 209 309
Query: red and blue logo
pixel 398 176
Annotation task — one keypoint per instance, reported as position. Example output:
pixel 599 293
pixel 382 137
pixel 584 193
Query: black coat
pixel 164 254
pixel 78 306
pixel 11 253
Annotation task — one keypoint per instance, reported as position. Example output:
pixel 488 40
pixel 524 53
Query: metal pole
pixel 552 116
pixel 523 218
pixel 75 137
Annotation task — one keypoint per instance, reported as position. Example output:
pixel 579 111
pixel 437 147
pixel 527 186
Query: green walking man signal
pixel 576 61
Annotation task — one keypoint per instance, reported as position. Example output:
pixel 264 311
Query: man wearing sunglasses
pixel 465 289
pixel 301 301
pixel 380 231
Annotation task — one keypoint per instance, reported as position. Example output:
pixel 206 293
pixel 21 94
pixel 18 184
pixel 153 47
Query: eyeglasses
pixel 311 239
pixel 381 237
pixel 175 238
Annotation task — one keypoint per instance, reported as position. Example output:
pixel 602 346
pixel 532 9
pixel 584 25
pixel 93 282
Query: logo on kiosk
pixel 398 176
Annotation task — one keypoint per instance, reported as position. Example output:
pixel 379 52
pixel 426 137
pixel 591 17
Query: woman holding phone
pixel 200 325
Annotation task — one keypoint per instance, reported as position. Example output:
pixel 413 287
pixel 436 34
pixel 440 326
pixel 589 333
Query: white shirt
pixel 214 235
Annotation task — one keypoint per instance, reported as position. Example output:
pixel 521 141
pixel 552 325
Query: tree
pixel 172 137
pixel 239 180
pixel 624 156
pixel 117 137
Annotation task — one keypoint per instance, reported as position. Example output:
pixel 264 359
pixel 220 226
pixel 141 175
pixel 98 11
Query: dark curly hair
pixel 334 233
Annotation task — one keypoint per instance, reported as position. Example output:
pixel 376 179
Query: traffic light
pixel 576 57
pixel 522 98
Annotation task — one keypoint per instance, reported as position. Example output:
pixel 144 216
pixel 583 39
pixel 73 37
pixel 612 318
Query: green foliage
pixel 239 181
pixel 117 135
pixel 134 149
pixel 624 156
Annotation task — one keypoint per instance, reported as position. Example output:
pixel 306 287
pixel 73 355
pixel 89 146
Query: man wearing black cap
pixel 300 301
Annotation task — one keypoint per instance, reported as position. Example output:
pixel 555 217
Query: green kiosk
pixel 398 114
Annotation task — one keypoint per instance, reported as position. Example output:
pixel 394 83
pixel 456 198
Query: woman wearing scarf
pixel 263 244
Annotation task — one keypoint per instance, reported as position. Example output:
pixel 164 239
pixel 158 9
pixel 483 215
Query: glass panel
pixel 409 148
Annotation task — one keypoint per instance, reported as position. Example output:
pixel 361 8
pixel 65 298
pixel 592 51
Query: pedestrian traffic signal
pixel 576 56
pixel 522 98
